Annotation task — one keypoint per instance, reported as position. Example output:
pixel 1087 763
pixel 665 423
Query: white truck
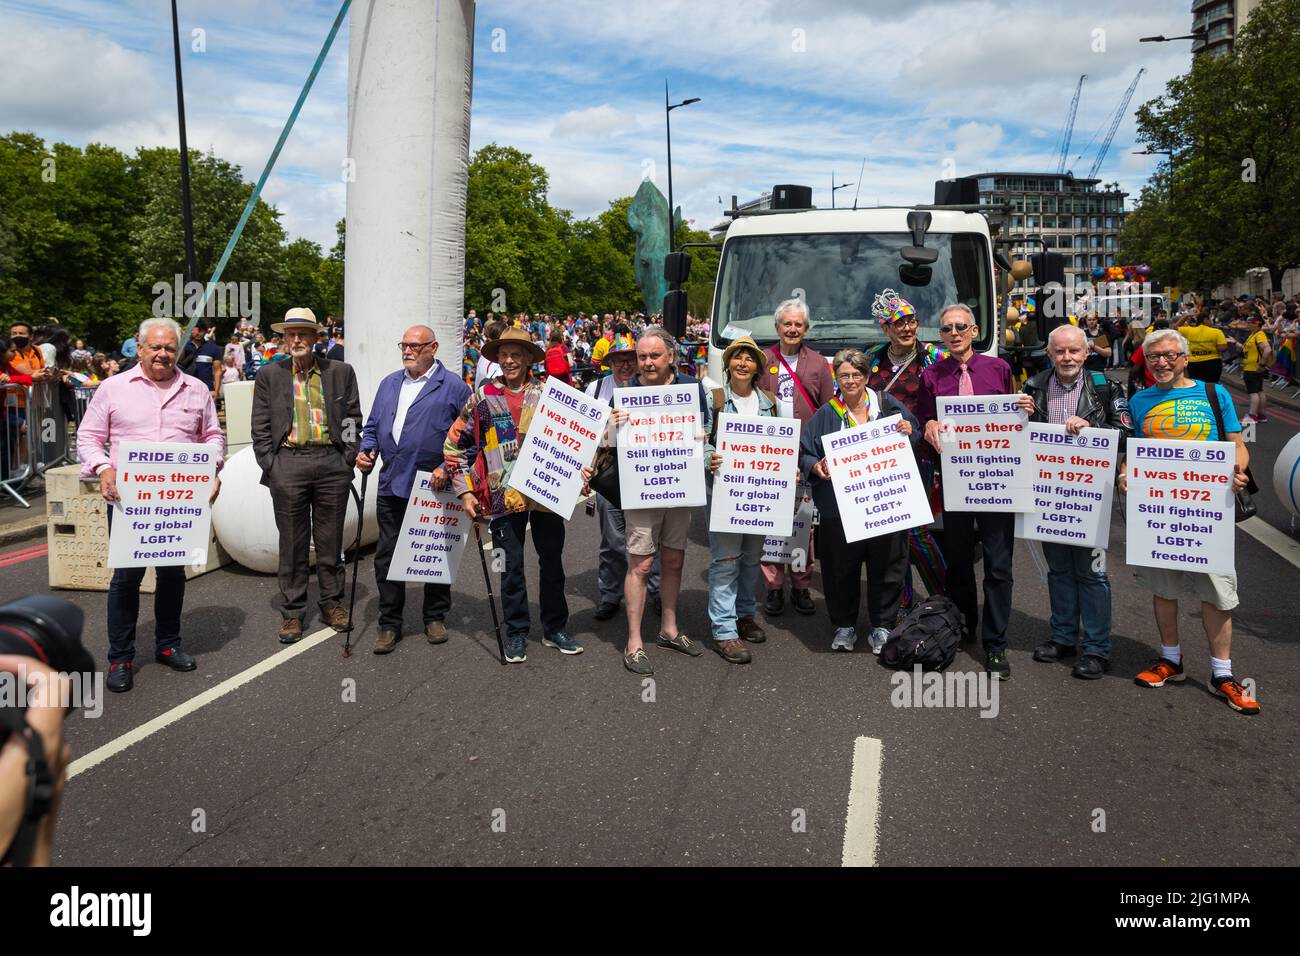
pixel 838 260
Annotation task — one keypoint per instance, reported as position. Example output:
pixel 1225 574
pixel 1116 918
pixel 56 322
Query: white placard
pixel 877 485
pixel 432 540
pixel 562 439
pixel 753 491
pixel 1180 509
pixel 1073 485
pixel 164 516
pixel 660 461
pixel 793 550
pixel 984 453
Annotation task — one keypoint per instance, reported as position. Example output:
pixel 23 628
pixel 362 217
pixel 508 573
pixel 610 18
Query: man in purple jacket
pixel 408 424
pixel 966 372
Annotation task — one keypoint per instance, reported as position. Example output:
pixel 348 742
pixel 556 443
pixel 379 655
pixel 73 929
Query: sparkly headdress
pixel 889 307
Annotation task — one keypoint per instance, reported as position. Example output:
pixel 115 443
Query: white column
pixel 410 65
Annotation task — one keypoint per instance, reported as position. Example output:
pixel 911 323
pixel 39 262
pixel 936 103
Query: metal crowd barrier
pixel 38 432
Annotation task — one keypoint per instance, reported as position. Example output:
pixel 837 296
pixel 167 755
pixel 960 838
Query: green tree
pixel 218 196
pixel 1233 125
pixel 329 275
pixel 512 235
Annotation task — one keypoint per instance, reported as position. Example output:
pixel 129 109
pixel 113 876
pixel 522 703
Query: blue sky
pixel 789 90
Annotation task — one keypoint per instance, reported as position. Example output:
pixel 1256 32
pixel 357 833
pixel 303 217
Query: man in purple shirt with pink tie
pixel 154 402
pixel 965 372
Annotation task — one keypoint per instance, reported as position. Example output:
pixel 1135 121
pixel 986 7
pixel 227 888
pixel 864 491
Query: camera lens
pixel 47 629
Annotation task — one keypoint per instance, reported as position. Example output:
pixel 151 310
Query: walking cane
pixel 492 601
pixel 356 558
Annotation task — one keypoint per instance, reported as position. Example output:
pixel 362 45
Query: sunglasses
pixel 955 327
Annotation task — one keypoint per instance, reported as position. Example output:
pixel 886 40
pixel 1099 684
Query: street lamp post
pixel 834 188
pixel 668 127
pixel 1205 149
pixel 1161 152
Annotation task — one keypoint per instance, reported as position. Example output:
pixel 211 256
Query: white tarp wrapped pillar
pixel 410 66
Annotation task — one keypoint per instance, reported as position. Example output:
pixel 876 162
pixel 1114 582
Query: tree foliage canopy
pixel 1229 198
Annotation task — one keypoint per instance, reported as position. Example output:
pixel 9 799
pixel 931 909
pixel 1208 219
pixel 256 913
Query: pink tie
pixel 964 386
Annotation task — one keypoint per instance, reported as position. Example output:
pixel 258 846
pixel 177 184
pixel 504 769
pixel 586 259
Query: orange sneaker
pixel 1159 673
pixel 1235 695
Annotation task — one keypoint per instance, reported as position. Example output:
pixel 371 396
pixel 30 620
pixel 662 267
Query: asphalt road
pixel 446 757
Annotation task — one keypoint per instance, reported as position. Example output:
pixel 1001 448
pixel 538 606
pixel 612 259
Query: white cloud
pixel 597 122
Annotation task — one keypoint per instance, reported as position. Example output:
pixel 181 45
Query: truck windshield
pixel 839 275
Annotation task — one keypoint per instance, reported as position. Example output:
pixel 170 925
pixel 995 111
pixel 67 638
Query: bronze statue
pixel 648 217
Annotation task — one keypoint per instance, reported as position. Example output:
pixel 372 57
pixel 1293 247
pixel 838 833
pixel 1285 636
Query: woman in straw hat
pixel 734 558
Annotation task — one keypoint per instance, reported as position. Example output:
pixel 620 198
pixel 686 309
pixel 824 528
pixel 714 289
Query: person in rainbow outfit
pixel 896 366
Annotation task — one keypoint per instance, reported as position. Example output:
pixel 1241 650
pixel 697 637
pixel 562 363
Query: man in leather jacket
pixel 1077 585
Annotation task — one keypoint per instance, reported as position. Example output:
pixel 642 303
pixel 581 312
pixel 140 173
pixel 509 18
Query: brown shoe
pixel 436 632
pixel 291 631
pixel 733 651
pixel 386 642
pixel 336 617
pixel 750 631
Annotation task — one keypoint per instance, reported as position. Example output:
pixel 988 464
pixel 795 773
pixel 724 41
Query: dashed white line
pixel 147 729
pixel 863 820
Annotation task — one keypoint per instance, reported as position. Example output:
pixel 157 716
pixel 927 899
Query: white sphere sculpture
pixel 1286 475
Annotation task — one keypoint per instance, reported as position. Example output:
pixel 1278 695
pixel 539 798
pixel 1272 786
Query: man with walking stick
pixel 414 407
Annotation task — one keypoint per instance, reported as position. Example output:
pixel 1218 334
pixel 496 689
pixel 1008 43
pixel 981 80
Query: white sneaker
pixel 877 639
pixel 845 638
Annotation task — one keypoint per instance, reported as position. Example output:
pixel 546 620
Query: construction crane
pixel 1068 130
pixel 1114 123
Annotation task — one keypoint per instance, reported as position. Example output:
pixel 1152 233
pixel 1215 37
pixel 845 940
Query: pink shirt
pixel 130 407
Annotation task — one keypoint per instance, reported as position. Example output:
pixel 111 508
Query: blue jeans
pixel 733 579
pixel 548 541
pixel 1077 591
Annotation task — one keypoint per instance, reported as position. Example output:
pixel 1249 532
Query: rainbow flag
pixel 1285 365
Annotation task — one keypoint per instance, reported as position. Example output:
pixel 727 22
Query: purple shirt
pixel 130 407
pixel 988 376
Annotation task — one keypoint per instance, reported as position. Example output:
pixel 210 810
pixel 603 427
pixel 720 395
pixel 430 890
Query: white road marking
pixel 116 746
pixel 1280 543
pixel 864 804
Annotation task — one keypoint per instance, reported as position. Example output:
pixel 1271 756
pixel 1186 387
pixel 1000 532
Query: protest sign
pixel 561 441
pixel 164 515
pixel 877 486
pixel 753 490
pixel 793 549
pixel 432 540
pixel 660 461
pixel 1073 485
pixel 984 453
pixel 1181 512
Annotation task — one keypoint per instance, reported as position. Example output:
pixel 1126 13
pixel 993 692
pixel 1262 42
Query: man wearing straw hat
pixel 306 430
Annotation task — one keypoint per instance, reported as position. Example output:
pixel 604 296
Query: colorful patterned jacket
pixel 499 440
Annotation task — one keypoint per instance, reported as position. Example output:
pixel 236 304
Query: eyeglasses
pixel 413 346
pixel 957 327
pixel 907 324
pixel 850 377
pixel 1165 358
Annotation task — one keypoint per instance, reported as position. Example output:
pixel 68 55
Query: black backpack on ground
pixel 928 636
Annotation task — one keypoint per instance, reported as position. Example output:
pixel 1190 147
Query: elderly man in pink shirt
pixel 153 402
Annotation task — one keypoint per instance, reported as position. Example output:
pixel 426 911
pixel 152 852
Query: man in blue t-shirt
pixel 1177 407
pixel 199 355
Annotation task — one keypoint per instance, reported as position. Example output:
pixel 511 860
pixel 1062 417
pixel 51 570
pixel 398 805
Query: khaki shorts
pixel 1217 589
pixel 649 529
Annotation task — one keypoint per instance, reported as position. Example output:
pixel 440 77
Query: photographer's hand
pixel 45 715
